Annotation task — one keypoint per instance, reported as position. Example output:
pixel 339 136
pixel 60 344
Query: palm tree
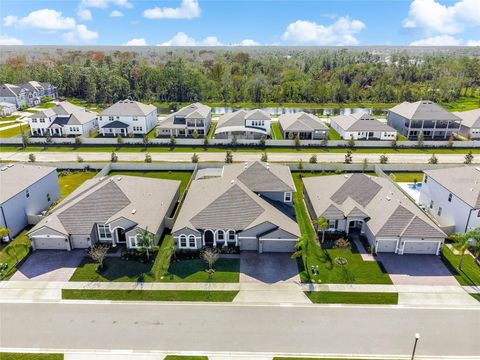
pixel 322 224
pixel 302 250
pixel 461 242
pixel 146 240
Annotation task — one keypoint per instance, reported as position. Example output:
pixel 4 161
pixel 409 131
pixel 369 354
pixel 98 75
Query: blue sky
pixel 231 22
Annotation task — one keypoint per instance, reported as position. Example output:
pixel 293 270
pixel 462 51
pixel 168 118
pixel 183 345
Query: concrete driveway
pixel 416 269
pixel 49 265
pixel 269 268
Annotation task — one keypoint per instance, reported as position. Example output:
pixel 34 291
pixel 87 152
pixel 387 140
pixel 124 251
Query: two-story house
pixel 186 121
pixel 452 196
pixel 27 94
pixel 423 117
pixel 15 95
pixel 361 126
pixel 243 124
pixel 127 117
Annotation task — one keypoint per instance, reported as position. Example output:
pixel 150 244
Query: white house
pixel 26 190
pixel 452 196
pixel 6 108
pixel 64 119
pixel 361 126
pixel 243 124
pixel 127 117
pixel 470 127
pixel 187 120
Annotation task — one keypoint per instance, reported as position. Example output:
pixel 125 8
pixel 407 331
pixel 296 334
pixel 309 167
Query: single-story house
pixel 245 205
pixel 111 210
pixel 361 126
pixel 302 125
pixel 25 190
pixel 376 208
pixel 470 126
pixel 187 120
pixel 243 124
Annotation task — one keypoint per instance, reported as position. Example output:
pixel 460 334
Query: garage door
pixel 50 243
pixel 278 246
pixel 80 243
pixel 420 247
pixel 249 244
pixel 386 246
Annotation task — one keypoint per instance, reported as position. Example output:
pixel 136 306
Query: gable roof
pixel 9 90
pixel 301 121
pixel 238 118
pixel 259 178
pixel 143 201
pixel 81 117
pixel 386 210
pixel 463 182
pixel 423 110
pixel 128 108
pixel 470 118
pixel 66 108
pixel 361 121
pixel 192 111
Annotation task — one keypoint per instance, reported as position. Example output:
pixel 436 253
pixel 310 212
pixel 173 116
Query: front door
pixel 121 236
pixel 208 238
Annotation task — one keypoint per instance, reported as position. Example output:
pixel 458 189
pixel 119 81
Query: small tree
pixel 300 166
pixel 48 139
pixel 195 134
pixel 146 240
pixel 420 139
pixel 195 158
pixel 468 158
pixel 451 139
pixel 145 141
pixel 98 253
pixel 365 165
pixel 119 139
pixel 228 157
pixel 31 157
pixel 205 142
pixel 113 157
pixel 394 142
pixel 297 141
pixel 78 141
pixel 148 158
pixel 79 158
pixel 324 142
pixel 461 242
pixel 383 159
pixel 25 139
pixel 263 140
pixel 210 256
pixel 351 142
pixel 264 157
pixel 322 224
pixel 348 157
pixel 302 247
pixel 433 160
pixel 313 159
pixel 172 142
pixel 234 141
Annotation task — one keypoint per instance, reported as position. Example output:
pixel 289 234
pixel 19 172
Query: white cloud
pixel 136 42
pixel 182 39
pixel 440 40
pixel 103 4
pixel 188 9
pixel 81 34
pixel 8 40
pixel 341 32
pixel 473 43
pixel 116 13
pixel 433 17
pixel 84 14
pixel 247 42
pixel 47 19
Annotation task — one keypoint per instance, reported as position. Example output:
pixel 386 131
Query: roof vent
pixel 119 178
pixel 233 181
pixel 3 168
pixel 134 211
pixel 388 198
pixel 345 176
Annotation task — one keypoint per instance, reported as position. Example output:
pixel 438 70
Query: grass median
pixel 150 295
pixel 30 356
pixel 344 297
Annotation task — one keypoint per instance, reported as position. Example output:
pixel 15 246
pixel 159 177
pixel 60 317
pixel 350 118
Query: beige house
pixel 470 127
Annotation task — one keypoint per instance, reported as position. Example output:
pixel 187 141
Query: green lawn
pixel 211 131
pixel 463 103
pixel 68 183
pixel 226 270
pixel 150 295
pixel 356 271
pixel 14 253
pixel 341 297
pixel 275 132
pixel 470 273
pixel 15 131
pixel 9 118
pixel 476 296
pixel 152 134
pixel 47 105
pixel 181 357
pixel 30 356
pixel 183 176
pixel 407 176
pixel 333 135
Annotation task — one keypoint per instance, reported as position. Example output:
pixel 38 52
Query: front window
pixel 183 241
pixel 231 235
pixel 110 118
pixel 431 204
pixel 332 224
pixel 449 197
pixel 191 241
pixel 288 197
pixel 48 198
pixel 104 232
pixel 27 193
pixel 220 235
pixel 439 213
pixel 135 118
pixel 426 179
pixel 133 241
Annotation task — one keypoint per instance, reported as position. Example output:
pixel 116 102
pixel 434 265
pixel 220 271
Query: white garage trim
pixel 439 244
pixel 377 242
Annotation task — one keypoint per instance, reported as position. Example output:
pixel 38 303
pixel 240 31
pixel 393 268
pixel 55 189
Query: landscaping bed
pixel 470 273
pixel 343 297
pixel 150 295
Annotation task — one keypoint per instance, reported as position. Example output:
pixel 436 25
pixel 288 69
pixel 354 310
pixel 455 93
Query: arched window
pixel 220 235
pixel 231 235
pixel 191 241
pixel 183 241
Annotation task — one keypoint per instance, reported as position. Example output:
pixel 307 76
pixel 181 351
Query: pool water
pixel 417 186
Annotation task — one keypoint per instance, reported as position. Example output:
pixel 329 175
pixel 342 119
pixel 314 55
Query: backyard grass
pixel 333 134
pixel 14 253
pixel 152 134
pixel 275 131
pixel 343 297
pixel 407 176
pixel 356 271
pixel 470 273
pixel 183 176
pixel 47 105
pixel 29 356
pixel 72 180
pixel 150 295
pixel 463 103
pixel 211 131
pixel 15 131
pixel 185 357
pixel 9 118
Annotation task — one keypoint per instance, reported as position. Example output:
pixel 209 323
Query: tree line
pixel 234 77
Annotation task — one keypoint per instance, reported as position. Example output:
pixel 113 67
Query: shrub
pixel 195 134
pixel 148 158
pixel 264 157
pixel 468 158
pixel 113 157
pixel 313 159
pixel 228 157
pixel 351 142
pixel 433 160
pixel 78 140
pixel 195 158
pixel 31 157
pixel 383 159
pixel 342 244
pixel 262 141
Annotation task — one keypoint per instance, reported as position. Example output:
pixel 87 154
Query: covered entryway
pixel 49 243
pixel 281 246
pixel 421 247
pixel 386 246
pixel 208 238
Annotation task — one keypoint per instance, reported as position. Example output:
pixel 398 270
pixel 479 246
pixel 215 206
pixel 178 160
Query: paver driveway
pixel 49 265
pixel 269 268
pixel 416 269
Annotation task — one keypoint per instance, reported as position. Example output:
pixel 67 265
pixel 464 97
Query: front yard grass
pixel 343 297
pixel 183 176
pixel 185 357
pixel 15 131
pixel 470 273
pixel 14 253
pixel 356 271
pixel 70 180
pixel 276 133
pixel 30 356
pixel 150 295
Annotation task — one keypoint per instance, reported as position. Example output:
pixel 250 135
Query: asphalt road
pixel 400 158
pixel 232 328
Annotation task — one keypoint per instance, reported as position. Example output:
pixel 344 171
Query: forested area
pixel 235 77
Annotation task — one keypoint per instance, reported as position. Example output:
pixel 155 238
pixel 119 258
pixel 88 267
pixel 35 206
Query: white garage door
pixel 50 243
pixel 386 246
pixel 249 244
pixel 278 246
pixel 420 247
pixel 80 243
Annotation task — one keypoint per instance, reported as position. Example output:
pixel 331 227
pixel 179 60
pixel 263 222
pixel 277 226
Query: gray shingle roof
pixel 358 187
pixel 238 118
pixel 301 121
pixel 128 108
pixel 423 110
pixel 260 179
pixel 81 117
pixel 470 119
pixel 360 121
pixel 192 111
pixel 117 124
pixel 65 108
